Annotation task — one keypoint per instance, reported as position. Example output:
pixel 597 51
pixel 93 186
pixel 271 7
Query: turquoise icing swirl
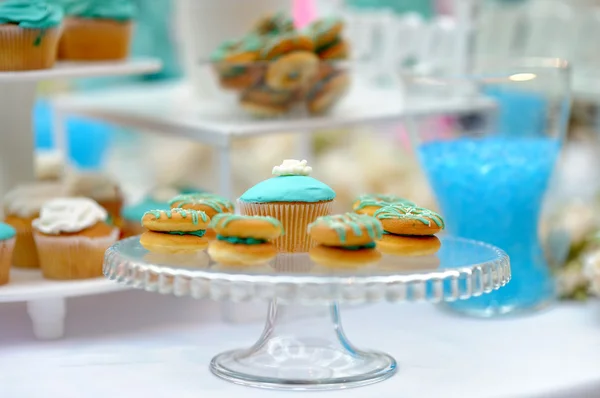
pixel 199 233
pixel 118 10
pixel 195 215
pixel 371 245
pixel 6 231
pixel 399 211
pixel 241 241
pixel 30 14
pixel 289 189
pixel 341 223
pixel 224 219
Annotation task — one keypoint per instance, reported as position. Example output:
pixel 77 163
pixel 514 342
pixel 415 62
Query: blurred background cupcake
pixel 96 30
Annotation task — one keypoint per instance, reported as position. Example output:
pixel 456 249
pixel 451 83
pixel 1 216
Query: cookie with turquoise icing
pixel 370 203
pixel 348 230
pixel 400 219
pixel 209 203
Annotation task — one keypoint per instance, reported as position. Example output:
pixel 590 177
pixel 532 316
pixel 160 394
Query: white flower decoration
pixel 292 167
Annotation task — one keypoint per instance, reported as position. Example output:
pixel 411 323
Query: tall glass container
pixel 491 165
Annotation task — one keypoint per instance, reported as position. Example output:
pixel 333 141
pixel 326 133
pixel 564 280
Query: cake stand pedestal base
pixel 286 357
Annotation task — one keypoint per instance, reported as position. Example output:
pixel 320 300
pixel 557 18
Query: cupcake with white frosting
pixel 99 187
pixel 72 235
pixel 21 206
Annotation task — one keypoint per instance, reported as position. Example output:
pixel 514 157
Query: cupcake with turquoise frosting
pixel 96 30
pixel 29 34
pixel 156 200
pixel 7 244
pixel 294 198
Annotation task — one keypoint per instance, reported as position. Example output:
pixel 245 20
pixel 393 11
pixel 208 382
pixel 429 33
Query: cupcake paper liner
pixel 73 257
pixel 94 39
pixel 6 251
pixel 25 254
pixel 295 218
pixel 27 49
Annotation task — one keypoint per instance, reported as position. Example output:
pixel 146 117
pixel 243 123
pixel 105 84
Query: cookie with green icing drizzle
pixel 370 203
pixel 176 220
pixel 401 219
pixel 211 204
pixel 350 229
pixel 246 227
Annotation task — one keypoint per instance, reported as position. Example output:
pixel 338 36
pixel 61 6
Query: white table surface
pixel 136 344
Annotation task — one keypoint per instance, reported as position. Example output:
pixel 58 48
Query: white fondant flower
pixel 292 167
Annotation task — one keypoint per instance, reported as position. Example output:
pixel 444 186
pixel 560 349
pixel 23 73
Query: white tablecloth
pixel 137 344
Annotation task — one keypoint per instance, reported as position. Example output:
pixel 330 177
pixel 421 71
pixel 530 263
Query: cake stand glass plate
pixel 323 358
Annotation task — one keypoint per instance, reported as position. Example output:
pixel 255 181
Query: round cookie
pixel 175 220
pixel 211 204
pixel 257 227
pixel 400 219
pixel 370 203
pixel 285 44
pixel 336 50
pixel 174 231
pixel 292 71
pixel 326 92
pixel 325 31
pixel 160 242
pixel 342 257
pixel 234 60
pixel 228 253
pixel 263 101
pixel 274 24
pixel 411 246
pixel 345 230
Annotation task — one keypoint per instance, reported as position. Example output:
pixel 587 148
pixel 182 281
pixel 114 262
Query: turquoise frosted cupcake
pixel 292 197
pixel 7 244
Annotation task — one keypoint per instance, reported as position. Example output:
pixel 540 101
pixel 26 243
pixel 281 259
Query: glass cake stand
pixel 321 358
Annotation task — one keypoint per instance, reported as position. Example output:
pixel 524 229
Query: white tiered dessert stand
pixel 323 358
pixel 45 299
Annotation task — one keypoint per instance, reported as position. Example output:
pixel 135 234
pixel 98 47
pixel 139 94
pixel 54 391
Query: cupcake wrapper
pixel 27 49
pixel 6 251
pixel 295 218
pixel 73 257
pixel 25 253
pixel 94 39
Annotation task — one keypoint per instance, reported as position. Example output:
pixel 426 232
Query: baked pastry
pixel 97 30
pixel 71 235
pixel 292 71
pixel 175 231
pixel 99 187
pixel 264 102
pixel 285 44
pixel 7 244
pixel 274 24
pixel 410 246
pixel 400 219
pixel 370 203
pixel 327 35
pixel 235 62
pixel 244 240
pixel 345 239
pixel 292 197
pixel 326 92
pixel 29 34
pixel 21 206
pixel 209 203
pixel 156 200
